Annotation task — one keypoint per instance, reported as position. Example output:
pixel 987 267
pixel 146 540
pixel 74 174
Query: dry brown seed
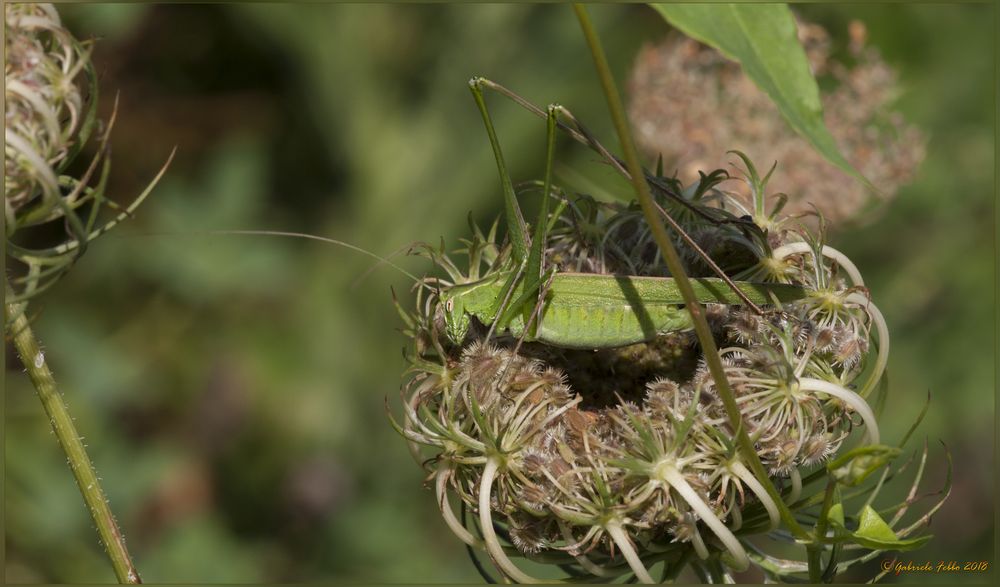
pixel 578 421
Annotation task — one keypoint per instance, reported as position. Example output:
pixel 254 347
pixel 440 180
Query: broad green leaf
pixel 873 527
pixel 762 39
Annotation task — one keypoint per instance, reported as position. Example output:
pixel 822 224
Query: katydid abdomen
pixel 590 327
pixel 584 311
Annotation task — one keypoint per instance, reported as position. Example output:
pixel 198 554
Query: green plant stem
pixel 815 549
pixel 62 424
pixel 677 271
pixel 815 560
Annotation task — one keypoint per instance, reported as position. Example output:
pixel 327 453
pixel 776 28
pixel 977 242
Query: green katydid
pixel 587 311
pixel 569 309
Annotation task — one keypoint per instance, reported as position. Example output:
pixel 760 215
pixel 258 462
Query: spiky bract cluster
pixel 50 114
pixel 611 460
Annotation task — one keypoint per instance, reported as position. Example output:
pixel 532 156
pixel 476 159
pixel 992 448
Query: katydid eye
pixel 449 305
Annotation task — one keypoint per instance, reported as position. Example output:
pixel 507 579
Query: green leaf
pixel 762 38
pixel 836 516
pixel 873 527
pixel 872 531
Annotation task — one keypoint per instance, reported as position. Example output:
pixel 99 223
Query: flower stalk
pixel 614 530
pixel 51 115
pixel 30 352
pixel 673 262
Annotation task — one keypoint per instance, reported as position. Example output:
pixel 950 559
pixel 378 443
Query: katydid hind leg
pixel 536 256
pixel 515 220
pixel 596 145
pixel 529 276
pixel 578 132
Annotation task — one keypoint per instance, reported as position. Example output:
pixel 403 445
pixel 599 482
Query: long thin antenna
pixel 314 237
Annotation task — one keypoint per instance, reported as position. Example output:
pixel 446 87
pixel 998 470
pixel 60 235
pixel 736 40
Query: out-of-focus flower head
pixel 44 104
pixel 691 105
pixel 49 115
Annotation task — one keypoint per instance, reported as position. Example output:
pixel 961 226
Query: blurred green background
pixel 230 388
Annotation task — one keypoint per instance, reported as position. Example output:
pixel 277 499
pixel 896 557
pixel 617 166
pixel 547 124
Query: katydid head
pixel 456 320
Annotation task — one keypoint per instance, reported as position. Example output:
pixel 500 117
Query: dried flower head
pixel 50 114
pixel 587 455
pixel 44 103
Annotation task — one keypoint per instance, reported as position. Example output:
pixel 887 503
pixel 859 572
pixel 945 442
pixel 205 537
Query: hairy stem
pixel 69 439
pixel 677 271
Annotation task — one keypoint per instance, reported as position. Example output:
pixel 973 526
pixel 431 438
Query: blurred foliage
pixel 231 388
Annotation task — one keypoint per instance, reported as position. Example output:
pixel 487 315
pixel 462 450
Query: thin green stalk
pixel 70 441
pixel 815 550
pixel 677 270
pixel 815 561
